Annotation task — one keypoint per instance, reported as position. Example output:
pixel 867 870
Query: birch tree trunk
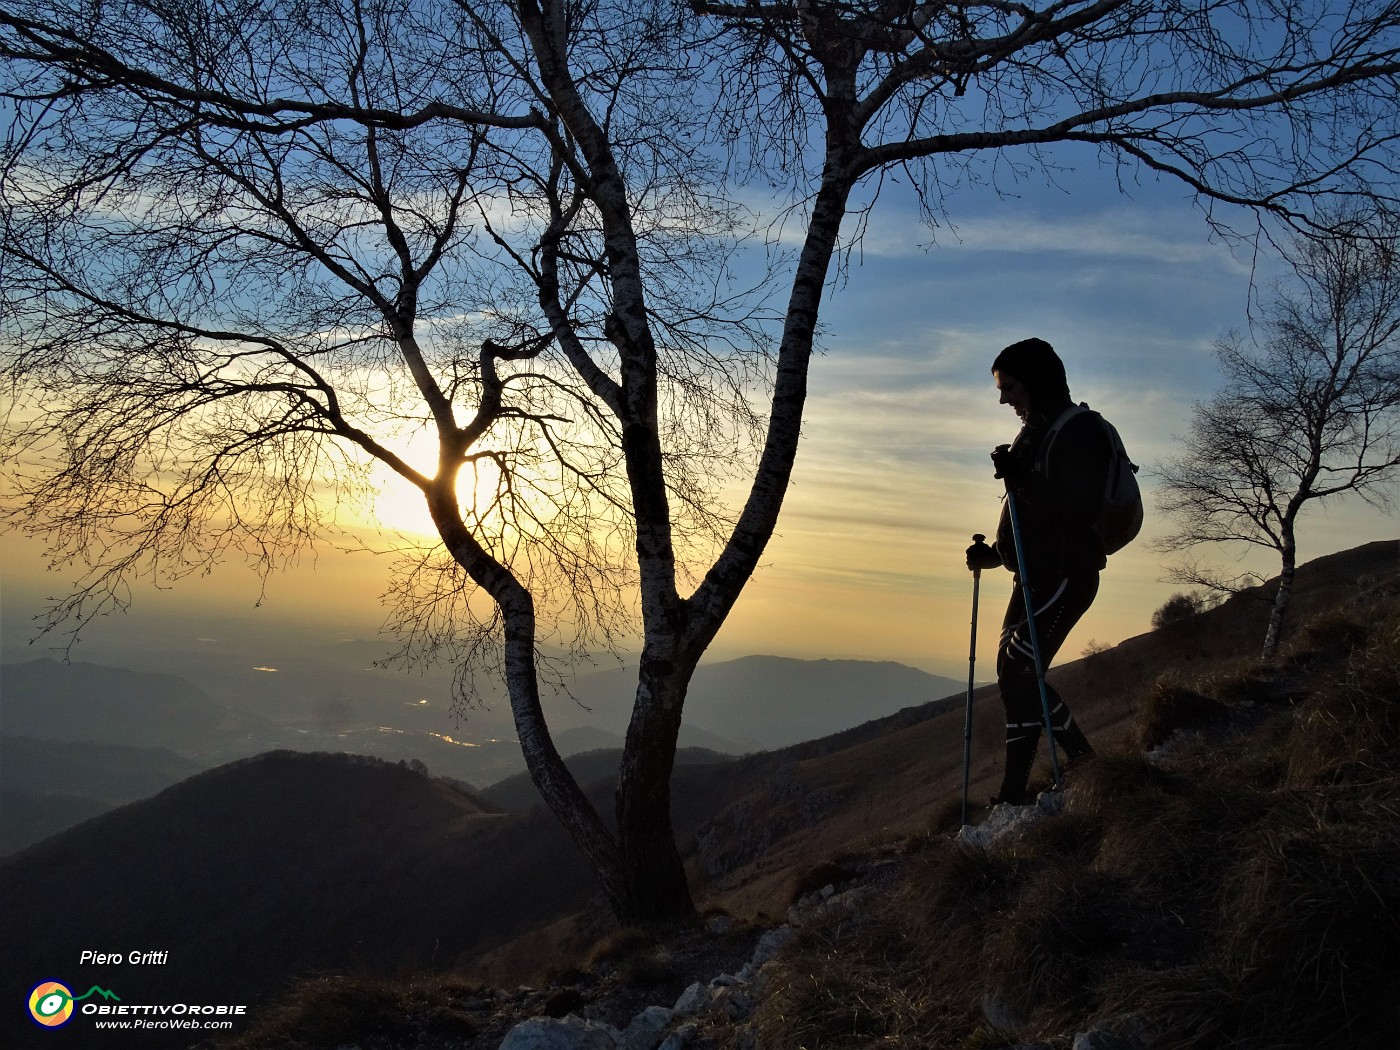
pixel 679 630
pixel 1288 554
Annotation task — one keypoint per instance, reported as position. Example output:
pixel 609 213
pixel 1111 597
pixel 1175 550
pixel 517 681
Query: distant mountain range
pixel 49 785
pixel 50 700
pixel 517 794
pixel 60 722
pixel 771 701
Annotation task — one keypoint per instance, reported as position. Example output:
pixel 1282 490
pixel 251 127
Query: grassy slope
pixel 900 776
pixel 1240 893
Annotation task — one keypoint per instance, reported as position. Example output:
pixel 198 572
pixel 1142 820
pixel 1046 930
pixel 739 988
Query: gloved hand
pixel 1010 466
pixel 981 556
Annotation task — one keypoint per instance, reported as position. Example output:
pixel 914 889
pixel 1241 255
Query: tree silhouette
pixel 253 249
pixel 1309 412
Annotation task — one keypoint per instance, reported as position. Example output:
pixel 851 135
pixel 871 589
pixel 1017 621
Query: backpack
pixel 1120 520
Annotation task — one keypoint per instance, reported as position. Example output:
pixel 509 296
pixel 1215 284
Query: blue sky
pixel 893 477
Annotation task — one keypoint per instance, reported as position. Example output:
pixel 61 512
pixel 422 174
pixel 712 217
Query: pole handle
pixel 977 537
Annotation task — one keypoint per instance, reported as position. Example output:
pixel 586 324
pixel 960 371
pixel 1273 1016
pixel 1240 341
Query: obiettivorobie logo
pixel 51 1003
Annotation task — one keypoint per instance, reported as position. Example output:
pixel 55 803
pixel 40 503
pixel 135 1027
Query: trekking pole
pixel 1035 639
pixel 971 663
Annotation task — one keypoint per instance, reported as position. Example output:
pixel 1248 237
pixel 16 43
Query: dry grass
pixel 1337 630
pixel 1348 731
pixel 1172 706
pixel 947 818
pixel 366 1012
pixel 1311 918
pixel 1190 1007
pixel 638 957
pixel 1243 894
pixel 1123 779
pixel 620 944
pixel 838 1002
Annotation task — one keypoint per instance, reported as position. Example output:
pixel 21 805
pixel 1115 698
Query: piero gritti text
pixel 136 958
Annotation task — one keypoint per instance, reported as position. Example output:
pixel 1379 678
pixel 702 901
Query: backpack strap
pixel 1042 454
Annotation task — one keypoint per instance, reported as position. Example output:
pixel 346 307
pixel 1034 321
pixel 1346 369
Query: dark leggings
pixel 1056 614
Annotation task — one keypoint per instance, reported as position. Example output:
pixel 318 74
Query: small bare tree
pixel 1308 413
pixel 253 248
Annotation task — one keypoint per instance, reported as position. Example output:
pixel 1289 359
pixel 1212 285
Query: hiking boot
pixel 1075 745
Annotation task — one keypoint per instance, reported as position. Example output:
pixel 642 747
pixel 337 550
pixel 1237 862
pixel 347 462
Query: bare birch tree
pixel 251 248
pixel 1309 411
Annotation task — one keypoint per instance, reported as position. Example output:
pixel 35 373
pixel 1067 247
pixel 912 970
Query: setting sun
pixel 399 507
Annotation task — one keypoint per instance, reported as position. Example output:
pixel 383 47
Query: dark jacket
pixel 1059 496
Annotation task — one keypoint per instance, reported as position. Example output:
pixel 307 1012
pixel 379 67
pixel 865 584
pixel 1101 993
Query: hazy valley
pixel 79 738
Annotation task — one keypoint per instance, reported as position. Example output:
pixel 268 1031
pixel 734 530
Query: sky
pixel 893 476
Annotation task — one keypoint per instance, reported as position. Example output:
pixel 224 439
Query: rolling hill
pixel 285 863
pixel 49 699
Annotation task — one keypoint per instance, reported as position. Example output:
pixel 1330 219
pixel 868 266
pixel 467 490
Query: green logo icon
pixel 51 1003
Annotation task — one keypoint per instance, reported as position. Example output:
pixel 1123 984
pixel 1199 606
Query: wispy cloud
pixel 1120 232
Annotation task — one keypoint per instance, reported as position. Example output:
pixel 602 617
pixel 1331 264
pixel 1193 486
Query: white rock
pixel 1101 1039
pixel 681 1038
pixel 645 1030
pixel 567 1033
pixel 694 1001
pixel 1008 822
pixel 719 925
pixel 841 906
pixel 771 943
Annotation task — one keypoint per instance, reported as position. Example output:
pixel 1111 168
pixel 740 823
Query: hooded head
pixel 1035 365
